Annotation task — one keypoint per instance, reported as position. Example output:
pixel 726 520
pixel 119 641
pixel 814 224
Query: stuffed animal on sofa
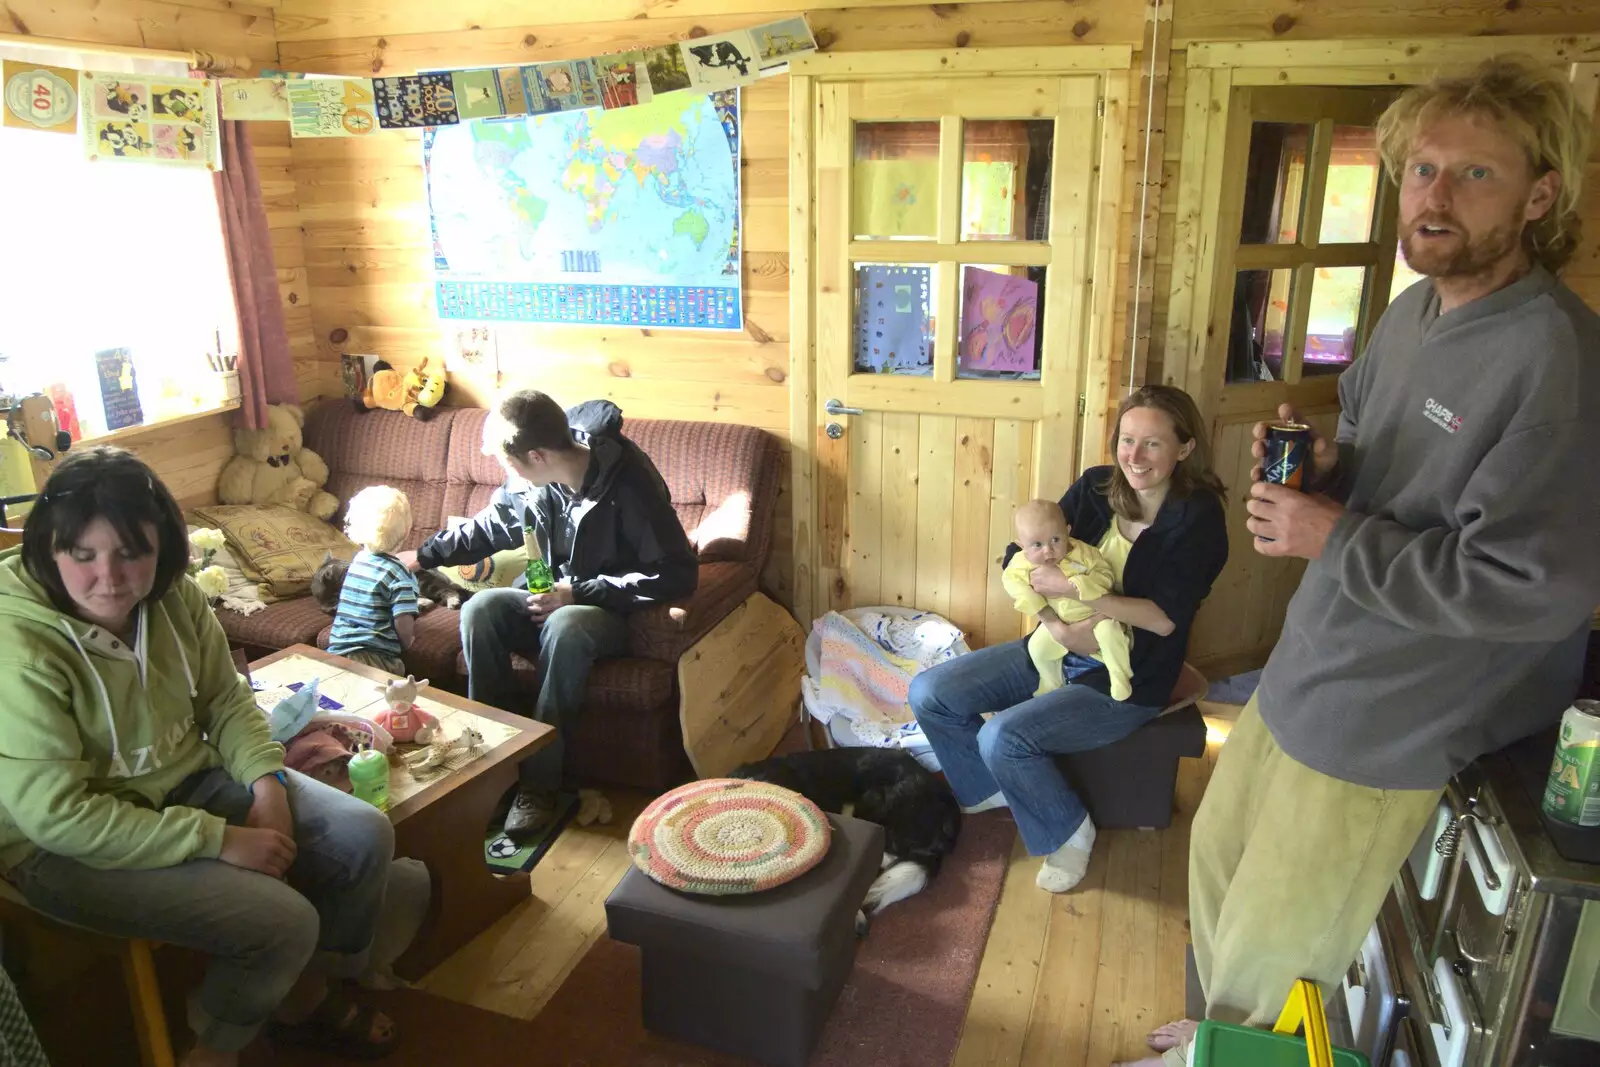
pixel 424 389
pixel 385 389
pixel 271 467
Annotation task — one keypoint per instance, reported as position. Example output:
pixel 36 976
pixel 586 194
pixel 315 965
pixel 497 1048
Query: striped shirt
pixel 377 588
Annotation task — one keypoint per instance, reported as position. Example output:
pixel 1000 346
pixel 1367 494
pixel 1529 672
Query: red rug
pixel 903 1006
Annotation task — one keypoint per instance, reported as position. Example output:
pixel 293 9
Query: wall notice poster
pixel 38 97
pixel 119 388
pixel 134 116
pixel 627 216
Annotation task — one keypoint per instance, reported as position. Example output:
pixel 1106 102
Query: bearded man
pixel 1451 531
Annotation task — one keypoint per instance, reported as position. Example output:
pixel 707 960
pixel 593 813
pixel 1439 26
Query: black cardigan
pixel 1173 563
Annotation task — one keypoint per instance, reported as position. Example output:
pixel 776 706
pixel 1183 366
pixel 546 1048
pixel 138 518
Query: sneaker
pixel 1065 867
pixel 531 811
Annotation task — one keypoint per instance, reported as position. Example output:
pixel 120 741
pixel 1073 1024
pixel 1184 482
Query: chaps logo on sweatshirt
pixel 1442 416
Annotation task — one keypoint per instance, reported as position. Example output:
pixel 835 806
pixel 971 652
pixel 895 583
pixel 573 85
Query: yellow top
pixel 1114 549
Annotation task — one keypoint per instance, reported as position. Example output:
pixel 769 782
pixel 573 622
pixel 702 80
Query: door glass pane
pixel 1001 327
pixel 894 318
pixel 1275 183
pixel 1005 179
pixel 1352 186
pixel 1404 276
pixel 1335 317
pixel 895 183
pixel 1260 318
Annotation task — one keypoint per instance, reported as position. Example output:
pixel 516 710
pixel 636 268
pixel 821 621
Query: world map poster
pixel 599 217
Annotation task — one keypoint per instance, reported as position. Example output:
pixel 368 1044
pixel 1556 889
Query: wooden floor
pixel 1066 981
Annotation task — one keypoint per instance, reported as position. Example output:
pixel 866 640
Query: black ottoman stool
pixel 1130 784
pixel 753 975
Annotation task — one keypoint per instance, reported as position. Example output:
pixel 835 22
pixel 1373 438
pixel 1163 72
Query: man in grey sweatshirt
pixel 1453 534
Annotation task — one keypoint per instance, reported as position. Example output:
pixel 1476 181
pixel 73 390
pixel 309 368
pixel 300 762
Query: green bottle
pixel 540 580
pixel 369 778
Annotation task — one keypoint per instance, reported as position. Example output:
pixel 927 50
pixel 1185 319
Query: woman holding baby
pixel 1155 518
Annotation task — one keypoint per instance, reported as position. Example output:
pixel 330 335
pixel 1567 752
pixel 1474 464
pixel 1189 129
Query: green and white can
pixel 1572 795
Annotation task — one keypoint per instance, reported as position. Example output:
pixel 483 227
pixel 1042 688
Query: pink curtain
pixel 266 368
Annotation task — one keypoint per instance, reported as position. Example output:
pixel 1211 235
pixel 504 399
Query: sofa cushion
pixel 666 632
pixel 276 546
pixel 289 622
pixel 385 448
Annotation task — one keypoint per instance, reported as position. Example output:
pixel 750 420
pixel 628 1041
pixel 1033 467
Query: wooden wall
pixel 190 455
pixel 361 204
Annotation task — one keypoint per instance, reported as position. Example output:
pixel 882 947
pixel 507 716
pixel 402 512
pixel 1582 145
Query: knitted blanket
pixel 866 672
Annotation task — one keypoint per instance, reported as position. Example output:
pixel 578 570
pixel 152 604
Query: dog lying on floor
pixel 919 814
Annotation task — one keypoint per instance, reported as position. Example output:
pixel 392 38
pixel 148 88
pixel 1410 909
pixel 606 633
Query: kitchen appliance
pixel 1495 924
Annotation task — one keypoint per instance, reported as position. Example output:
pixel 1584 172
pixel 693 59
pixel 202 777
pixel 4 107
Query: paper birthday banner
pixel 154 120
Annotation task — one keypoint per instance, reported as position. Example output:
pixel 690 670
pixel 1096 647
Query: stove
pixel 1494 924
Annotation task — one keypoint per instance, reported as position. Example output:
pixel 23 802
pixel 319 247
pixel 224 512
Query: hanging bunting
pixel 666 69
pixel 477 93
pixel 416 100
pixel 255 99
pixel 39 97
pixel 776 42
pixel 569 85
pixel 134 116
pixel 331 107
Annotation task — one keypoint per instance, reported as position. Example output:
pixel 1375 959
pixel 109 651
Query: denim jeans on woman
pixel 1014 751
pixel 260 932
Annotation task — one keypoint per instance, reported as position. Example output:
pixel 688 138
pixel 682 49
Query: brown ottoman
pixel 1130 784
pixel 752 975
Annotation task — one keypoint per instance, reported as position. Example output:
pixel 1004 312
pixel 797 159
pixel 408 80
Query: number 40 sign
pixel 39 97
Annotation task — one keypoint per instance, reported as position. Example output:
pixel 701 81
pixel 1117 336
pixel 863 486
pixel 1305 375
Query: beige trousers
pixel 1288 869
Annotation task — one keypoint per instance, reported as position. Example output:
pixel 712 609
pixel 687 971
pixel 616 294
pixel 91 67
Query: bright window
pixel 108 255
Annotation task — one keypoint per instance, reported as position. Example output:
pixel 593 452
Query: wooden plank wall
pixel 360 203
pixel 189 456
pixel 365 219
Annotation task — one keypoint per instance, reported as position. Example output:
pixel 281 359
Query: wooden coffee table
pixel 441 818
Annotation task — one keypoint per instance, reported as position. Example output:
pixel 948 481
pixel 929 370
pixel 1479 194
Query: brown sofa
pixel 724 484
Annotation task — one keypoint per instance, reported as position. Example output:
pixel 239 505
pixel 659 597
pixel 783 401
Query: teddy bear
pixel 271 467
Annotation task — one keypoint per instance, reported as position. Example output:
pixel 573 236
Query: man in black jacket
pixel 603 520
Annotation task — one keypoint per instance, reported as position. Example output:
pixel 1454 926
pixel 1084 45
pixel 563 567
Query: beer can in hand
pixel 1288 449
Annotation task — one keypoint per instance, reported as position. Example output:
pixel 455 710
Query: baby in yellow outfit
pixel 1046 541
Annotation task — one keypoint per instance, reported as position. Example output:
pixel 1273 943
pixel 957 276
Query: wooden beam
pixel 1150 148
pixel 1427 52
pixel 980 62
pixel 802 367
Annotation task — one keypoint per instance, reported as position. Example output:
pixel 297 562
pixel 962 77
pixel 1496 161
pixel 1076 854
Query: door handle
pixel 833 407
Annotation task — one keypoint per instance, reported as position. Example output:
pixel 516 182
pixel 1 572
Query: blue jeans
pixel 1014 751
pixel 260 932
pixel 495 623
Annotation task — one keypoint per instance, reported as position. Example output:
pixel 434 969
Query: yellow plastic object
pixel 1305 1006
pixel 1226 1045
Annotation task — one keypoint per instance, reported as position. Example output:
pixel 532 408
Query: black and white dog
pixel 919 814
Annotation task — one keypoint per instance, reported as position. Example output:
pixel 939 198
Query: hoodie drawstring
pixel 188 675
pixel 105 698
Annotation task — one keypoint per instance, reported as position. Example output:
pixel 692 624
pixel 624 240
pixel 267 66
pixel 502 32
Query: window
pixel 1316 225
pixel 101 256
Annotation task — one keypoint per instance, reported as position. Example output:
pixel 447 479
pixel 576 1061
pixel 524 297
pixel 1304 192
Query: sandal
pixel 339 1025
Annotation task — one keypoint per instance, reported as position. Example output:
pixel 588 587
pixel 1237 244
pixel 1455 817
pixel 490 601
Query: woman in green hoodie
pixel 140 792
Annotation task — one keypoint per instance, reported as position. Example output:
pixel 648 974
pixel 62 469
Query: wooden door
pixel 919 185
pixel 1305 263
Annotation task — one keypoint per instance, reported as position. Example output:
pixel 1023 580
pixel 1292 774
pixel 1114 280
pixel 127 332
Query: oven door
pixel 1374 1000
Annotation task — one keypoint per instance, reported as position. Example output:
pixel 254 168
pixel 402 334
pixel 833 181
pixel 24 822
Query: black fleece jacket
pixel 1173 563
pixel 628 551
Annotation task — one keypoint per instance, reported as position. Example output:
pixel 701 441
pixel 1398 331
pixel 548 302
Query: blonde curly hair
pixel 378 518
pixel 1534 104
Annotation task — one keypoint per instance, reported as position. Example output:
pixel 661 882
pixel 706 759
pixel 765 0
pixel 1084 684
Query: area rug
pixel 504 856
pixel 903 1006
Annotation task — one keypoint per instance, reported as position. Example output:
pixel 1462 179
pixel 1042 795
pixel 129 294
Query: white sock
pixel 996 800
pixel 1065 867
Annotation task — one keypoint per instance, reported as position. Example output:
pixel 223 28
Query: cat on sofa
pixel 328 582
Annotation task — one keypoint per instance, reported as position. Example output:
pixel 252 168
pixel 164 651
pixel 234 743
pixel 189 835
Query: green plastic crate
pixel 1225 1045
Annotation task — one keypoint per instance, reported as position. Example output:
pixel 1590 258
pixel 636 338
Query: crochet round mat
pixel 725 836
